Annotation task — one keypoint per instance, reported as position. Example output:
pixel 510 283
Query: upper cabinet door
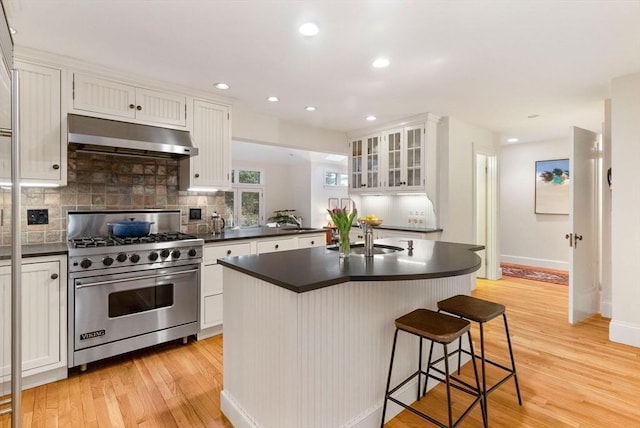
pixel 365 164
pixel 103 96
pixel 212 136
pixel 161 107
pixel 394 150
pixel 122 101
pixel 414 155
pixel 43 154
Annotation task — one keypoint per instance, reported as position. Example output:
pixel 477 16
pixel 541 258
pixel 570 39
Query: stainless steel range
pixel 129 293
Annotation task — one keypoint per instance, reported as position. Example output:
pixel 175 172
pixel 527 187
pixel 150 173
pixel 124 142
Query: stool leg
pixel 424 391
pixel 484 372
pixel 485 422
pixel 419 368
pixel 513 361
pixel 386 391
pixel 446 378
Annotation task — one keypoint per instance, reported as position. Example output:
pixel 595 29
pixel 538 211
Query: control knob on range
pixel 121 257
pixel 134 258
pixel 176 254
pixel 85 263
pixel 153 256
pixel 107 261
pixel 164 253
pixel 192 252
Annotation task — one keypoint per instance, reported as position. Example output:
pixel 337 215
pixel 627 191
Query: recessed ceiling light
pixel 221 85
pixel 371 118
pixel 273 99
pixel 13 31
pixel 380 63
pixel 512 140
pixel 310 108
pixel 309 29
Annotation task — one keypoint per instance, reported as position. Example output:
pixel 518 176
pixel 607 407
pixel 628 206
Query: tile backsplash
pixel 104 182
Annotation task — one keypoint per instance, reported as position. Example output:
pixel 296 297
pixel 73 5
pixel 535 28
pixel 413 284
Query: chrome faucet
pixel 368 238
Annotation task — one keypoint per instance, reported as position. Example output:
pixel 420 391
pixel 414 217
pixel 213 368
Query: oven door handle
pixel 137 278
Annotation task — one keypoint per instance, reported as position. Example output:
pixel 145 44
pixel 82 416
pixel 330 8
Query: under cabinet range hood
pixel 95 135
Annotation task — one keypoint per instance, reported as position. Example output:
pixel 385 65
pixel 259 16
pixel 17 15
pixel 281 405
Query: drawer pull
pixel 313 242
pixel 56 166
pixel 228 252
pixel 54 276
pixel 132 106
pixel 277 246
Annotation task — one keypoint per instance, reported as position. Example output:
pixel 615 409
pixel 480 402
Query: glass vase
pixel 344 246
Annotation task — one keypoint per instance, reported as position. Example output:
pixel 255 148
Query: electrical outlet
pixel 195 214
pixel 38 216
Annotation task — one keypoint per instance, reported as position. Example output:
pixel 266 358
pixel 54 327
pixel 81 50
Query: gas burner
pixel 92 241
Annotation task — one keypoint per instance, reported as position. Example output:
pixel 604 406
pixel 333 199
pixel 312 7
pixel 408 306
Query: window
pixel 247 177
pixel 335 179
pixel 244 205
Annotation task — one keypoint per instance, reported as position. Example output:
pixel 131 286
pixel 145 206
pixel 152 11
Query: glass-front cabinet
pixel 365 166
pixel 391 160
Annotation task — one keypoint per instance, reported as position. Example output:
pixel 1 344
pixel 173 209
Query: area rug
pixel 535 274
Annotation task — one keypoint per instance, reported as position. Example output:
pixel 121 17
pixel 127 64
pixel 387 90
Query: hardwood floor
pixel 570 376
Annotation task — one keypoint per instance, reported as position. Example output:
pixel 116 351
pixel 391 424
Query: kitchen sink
pixel 358 249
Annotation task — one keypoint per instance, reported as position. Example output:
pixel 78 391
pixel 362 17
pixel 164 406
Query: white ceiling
pixel 487 62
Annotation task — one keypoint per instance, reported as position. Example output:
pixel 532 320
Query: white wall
pixel 457 143
pixel 528 238
pixel 320 195
pixel 625 209
pixel 250 126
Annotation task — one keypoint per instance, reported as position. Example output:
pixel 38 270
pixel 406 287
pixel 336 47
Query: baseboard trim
pixel 533 262
pixel 624 332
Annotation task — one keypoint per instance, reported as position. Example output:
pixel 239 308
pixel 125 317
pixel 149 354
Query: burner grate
pixel 109 241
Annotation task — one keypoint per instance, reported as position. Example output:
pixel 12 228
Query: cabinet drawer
pixel 211 280
pixel 212 311
pixel 310 241
pixel 215 252
pixel 271 246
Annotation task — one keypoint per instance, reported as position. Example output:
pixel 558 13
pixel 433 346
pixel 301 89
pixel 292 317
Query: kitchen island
pixel 307 337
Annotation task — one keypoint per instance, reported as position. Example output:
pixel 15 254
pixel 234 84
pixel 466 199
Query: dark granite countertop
pixel 37 250
pixel 310 269
pixel 256 232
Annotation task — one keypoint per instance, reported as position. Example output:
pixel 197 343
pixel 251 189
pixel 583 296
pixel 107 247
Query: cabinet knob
pixel 132 106
pixel 139 108
pixel 56 166
pixel 277 246
pixel 54 276
pixel 313 242
pixel 228 252
pixel 196 175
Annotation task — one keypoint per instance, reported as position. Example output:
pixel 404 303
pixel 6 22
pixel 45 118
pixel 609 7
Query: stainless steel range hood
pixel 94 135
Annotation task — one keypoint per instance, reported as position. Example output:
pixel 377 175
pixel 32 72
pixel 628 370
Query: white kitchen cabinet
pixel 122 101
pixel 395 159
pixel 404 159
pixel 364 166
pixel 211 169
pixel 311 240
pixel 43 150
pixel 211 310
pixel 280 244
pixel 44 301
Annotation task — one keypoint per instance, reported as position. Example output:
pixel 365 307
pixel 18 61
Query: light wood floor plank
pixel 570 376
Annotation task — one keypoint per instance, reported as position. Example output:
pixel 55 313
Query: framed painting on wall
pixel 552 186
pixel 347 203
pixel 334 203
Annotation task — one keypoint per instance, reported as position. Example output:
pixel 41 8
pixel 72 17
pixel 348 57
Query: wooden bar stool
pixel 442 329
pixel 482 311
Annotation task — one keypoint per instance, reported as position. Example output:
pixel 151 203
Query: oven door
pixel 118 306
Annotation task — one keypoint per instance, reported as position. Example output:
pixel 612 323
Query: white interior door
pixel 583 216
